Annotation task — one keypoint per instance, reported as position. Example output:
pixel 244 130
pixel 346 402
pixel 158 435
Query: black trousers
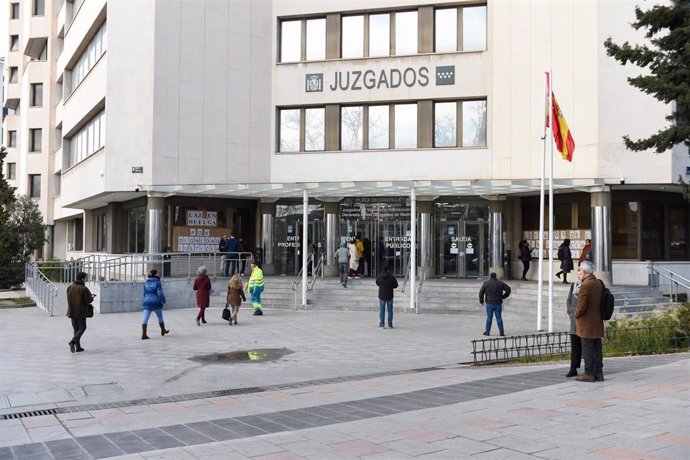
pixel 575 351
pixel 79 326
pixel 594 360
pixel 525 268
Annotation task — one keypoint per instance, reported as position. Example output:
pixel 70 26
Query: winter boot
pixel 163 329
pixel 143 332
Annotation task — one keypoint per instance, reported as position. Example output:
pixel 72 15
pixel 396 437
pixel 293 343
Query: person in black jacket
pixel 566 258
pixel 386 283
pixel 525 256
pixel 494 291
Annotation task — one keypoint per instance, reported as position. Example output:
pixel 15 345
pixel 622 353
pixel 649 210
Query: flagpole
pixel 540 262
pixel 551 225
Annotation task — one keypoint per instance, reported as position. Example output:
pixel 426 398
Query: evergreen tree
pixel 21 231
pixel 668 59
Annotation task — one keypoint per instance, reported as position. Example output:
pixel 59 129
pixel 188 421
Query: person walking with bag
pixel 386 283
pixel 575 341
pixel 566 258
pixel 525 255
pixel 78 300
pixel 202 286
pixel 154 301
pixel 494 290
pixel 255 286
pixel 235 297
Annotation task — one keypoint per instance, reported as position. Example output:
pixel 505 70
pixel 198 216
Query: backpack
pixel 607 303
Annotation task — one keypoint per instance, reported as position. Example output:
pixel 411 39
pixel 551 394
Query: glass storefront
pixel 462 238
pixel 288 235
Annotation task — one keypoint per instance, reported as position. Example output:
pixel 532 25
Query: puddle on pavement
pixel 243 356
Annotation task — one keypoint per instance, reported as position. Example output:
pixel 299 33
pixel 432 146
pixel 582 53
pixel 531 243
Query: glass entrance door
pixel 462 249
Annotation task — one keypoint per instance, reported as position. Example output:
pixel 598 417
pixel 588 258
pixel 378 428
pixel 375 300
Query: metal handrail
pixel 43 290
pixel 674 278
pixel 316 273
pixel 407 272
pixel 300 277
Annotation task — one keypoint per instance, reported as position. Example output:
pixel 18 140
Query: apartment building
pixel 415 124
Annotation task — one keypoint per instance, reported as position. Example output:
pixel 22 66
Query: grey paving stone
pixel 66 449
pixel 4 402
pixel 264 423
pixel 241 429
pixel 99 446
pixel 35 451
pixel 158 439
pixel 128 442
pixel 213 431
pixel 186 435
pixel 5 453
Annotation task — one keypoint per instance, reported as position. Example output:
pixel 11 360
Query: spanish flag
pixel 564 140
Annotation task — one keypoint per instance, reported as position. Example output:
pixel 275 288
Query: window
pixel 14 42
pixel 474 123
pixel 14 10
pixel 12 138
pixel 58 184
pixel 379 126
pixel 406 33
pixel 446 30
pixel 351 128
pixel 289 130
pixel 11 171
pixel 352 39
pixel 405 126
pixel 14 72
pixel 75 235
pixel 379 35
pixel 36 94
pixel 135 230
pixel 58 137
pixel 678 232
pixel 474 28
pixel 290 41
pixel 88 140
pixel 39 7
pixel 445 124
pixel 314 129
pixel 96 48
pixel 316 39
pixel 624 229
pixel 35 139
pixel 43 56
pixel 101 232
pixel 35 185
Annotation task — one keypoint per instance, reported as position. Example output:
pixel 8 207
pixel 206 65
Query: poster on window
pixel 202 218
pixel 577 241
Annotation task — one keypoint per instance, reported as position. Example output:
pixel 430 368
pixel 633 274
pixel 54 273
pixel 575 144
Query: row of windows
pixel 39 9
pixel 394 126
pixel 35 139
pixel 384 34
pixel 96 48
pixel 88 139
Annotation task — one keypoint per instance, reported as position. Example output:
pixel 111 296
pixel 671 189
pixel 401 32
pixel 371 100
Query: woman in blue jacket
pixel 154 301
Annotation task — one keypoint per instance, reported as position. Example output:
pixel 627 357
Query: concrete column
pixel 268 218
pixel 154 224
pixel 332 238
pixel 496 213
pixel 426 237
pixel 601 234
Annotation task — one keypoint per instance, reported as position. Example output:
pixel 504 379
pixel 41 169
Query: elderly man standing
pixel 589 325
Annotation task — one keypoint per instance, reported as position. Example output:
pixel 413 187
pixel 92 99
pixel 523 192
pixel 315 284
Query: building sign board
pixel 356 80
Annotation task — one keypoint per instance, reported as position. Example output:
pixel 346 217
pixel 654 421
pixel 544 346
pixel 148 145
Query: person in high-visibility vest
pixel 255 286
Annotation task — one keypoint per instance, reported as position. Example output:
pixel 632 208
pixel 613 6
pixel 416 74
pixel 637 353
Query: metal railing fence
pixel 43 290
pixel 675 280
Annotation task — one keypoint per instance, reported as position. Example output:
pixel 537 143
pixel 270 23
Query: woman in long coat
pixel 235 296
pixel 202 286
pixel 566 258
pixel 154 301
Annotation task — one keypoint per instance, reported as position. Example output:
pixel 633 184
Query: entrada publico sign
pixel 354 80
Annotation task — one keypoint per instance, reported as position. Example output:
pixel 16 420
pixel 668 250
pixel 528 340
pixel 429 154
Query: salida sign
pixel 354 80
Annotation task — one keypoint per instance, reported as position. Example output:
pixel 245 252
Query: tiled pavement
pixel 347 390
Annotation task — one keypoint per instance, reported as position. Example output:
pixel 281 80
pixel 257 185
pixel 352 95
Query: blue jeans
pixel 231 265
pixel 147 315
pixel 343 273
pixel 383 304
pixel 491 309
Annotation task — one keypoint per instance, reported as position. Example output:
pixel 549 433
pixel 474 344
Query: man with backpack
pixel 589 323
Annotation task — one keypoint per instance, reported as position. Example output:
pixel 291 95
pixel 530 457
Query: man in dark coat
pixel 386 283
pixel 232 255
pixel 495 291
pixel 589 325
pixel 78 300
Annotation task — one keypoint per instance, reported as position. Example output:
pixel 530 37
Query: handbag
pixel 89 311
pixel 226 313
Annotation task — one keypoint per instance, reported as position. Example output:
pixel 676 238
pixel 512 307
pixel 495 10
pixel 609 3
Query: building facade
pixel 416 125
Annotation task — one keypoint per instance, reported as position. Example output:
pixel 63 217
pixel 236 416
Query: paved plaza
pixel 337 387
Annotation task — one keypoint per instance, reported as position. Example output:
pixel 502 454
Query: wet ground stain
pixel 243 356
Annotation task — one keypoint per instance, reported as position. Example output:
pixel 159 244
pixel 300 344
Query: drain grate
pixel 31 413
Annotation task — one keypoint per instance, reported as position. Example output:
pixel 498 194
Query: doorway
pixel 463 250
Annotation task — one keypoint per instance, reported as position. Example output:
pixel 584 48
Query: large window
pixel 102 232
pixel 289 130
pixel 36 94
pixel 75 235
pixel 678 232
pixel 474 123
pixel 35 185
pixel 291 41
pixel 135 230
pixel 472 33
pixel 35 140
pixel 406 33
pixel 446 30
pixel 405 126
pixel 316 39
pixel 379 34
pixel 89 139
pixel 352 38
pixel 445 124
pixel 625 221
pixel 314 129
pixel 474 28
pixel 352 128
pixel 379 126
pixel 96 48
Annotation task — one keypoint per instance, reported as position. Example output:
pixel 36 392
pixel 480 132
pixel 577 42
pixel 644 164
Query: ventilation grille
pixel 32 413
